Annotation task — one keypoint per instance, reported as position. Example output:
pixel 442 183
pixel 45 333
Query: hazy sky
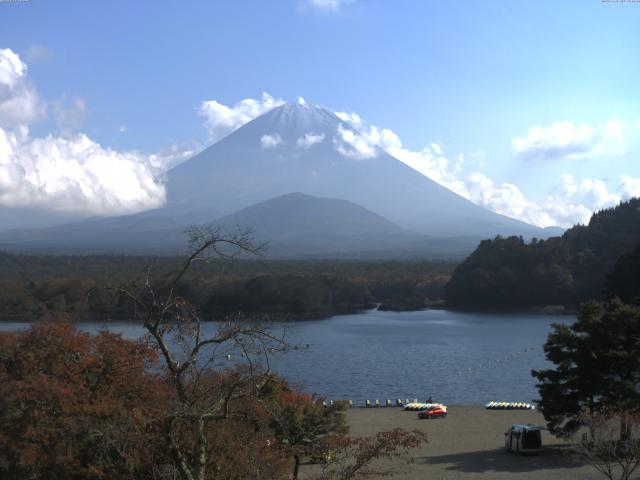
pixel 531 108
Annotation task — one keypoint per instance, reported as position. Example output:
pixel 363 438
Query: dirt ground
pixel 469 444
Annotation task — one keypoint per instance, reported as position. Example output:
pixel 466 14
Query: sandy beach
pixel 468 444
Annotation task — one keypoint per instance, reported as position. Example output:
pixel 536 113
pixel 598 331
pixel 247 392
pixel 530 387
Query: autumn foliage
pixel 80 406
pixel 74 405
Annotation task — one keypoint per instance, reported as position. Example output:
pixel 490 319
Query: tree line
pixel 562 271
pixel 33 288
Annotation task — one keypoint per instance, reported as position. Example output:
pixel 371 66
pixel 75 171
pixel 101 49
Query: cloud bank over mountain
pixel 569 201
pixel 20 104
pixel 221 120
pixel 69 172
pixel 75 174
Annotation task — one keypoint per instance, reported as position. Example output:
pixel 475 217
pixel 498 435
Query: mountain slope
pixel 300 216
pixel 301 226
pixel 295 225
pixel 151 231
pixel 242 169
pixel 12 218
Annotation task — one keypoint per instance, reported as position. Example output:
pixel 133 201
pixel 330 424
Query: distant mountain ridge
pixel 295 225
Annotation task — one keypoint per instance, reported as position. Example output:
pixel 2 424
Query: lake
pixel 456 358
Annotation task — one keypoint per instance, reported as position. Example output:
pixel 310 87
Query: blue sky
pixel 531 106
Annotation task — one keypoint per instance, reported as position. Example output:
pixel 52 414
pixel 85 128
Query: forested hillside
pixel 511 273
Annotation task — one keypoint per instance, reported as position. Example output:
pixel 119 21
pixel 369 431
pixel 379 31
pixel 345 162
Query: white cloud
pixel 629 186
pixel 122 129
pixel 173 155
pixel 567 140
pixel 354 144
pixel 71 172
pixel 568 202
pixel 505 198
pixel 328 6
pixel 19 101
pixel 352 118
pixel 362 141
pixel 270 141
pixel 309 139
pixel 221 120
pixel 76 175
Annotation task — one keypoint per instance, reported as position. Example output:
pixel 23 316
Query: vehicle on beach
pixel 433 412
pixel 521 438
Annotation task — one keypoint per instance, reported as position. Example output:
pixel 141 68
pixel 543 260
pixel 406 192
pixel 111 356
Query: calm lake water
pixel 457 358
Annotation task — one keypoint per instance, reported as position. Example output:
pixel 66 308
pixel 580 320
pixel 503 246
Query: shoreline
pixel 548 310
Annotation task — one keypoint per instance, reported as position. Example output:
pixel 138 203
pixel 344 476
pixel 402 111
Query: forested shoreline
pixel 588 262
pixel 38 287
pixel 503 274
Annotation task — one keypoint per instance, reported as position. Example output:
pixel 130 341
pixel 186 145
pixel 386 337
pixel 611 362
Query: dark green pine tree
pixel 624 280
pixel 597 366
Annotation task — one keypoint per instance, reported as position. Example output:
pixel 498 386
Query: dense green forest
pixel 561 271
pixel 36 287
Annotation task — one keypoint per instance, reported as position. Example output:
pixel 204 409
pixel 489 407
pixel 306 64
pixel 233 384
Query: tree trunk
pixel 178 458
pixel 296 466
pixel 201 450
pixel 625 430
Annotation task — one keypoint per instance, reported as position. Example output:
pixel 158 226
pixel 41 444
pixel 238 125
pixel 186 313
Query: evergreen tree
pixel 597 365
pixel 624 280
pixel 510 273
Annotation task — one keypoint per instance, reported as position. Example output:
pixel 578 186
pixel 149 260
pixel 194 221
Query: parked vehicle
pixel 522 438
pixel 433 412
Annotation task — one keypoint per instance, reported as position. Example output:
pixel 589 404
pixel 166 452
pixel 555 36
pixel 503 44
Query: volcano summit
pixel 301 148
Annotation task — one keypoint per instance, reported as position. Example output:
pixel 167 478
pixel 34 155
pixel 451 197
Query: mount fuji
pixel 296 148
pixel 290 176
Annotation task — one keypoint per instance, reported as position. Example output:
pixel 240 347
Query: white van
pixel 521 438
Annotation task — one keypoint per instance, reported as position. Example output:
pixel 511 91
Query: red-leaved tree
pixel 75 405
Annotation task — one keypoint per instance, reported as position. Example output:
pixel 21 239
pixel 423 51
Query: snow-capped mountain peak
pixel 302 147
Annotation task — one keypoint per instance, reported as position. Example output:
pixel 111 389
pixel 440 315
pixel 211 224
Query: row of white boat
pixel 509 406
pixel 419 406
pixel 416 407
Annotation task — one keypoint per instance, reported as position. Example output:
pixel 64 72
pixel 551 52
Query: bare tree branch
pixel 170 319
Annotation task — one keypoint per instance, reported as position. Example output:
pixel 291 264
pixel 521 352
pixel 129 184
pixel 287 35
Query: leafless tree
pixel 611 443
pixel 196 356
pixel 192 352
